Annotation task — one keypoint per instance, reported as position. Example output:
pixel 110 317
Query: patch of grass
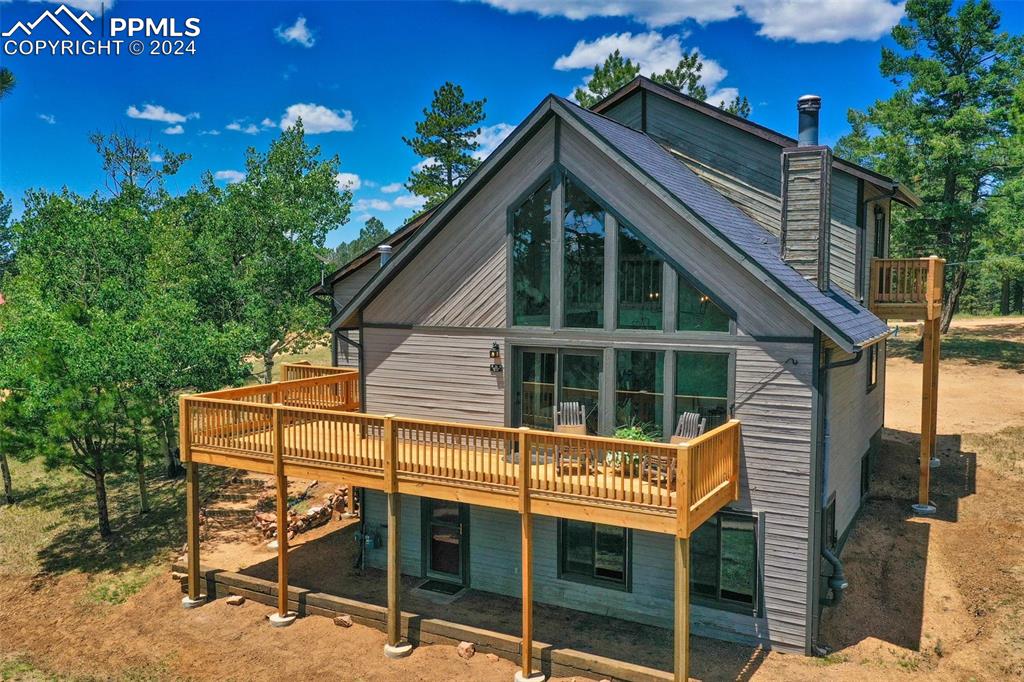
pixel 830 659
pixel 17 668
pixel 1004 448
pixel 318 355
pixel 967 347
pixel 117 588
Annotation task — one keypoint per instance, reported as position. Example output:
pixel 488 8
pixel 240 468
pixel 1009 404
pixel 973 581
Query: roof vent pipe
pixel 385 254
pixel 808 106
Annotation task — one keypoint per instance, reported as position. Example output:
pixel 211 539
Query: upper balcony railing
pixel 907 288
pixel 310 425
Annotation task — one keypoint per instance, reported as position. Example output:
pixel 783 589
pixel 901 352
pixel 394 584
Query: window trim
pixel 755 609
pixel 625 585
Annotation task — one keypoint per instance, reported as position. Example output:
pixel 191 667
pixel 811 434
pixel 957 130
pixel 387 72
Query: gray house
pixel 650 258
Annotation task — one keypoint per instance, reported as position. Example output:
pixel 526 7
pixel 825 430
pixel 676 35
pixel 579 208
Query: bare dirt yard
pixel 935 599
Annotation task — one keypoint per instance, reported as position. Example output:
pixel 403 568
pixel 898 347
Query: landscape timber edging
pixel 559 662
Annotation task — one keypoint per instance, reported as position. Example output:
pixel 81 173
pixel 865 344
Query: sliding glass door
pixel 546 377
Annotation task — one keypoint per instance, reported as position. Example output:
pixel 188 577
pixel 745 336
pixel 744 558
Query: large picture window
pixel 531 260
pixel 639 303
pixel 639 390
pixel 583 225
pixel 697 312
pixel 594 553
pixel 723 561
pixel 702 385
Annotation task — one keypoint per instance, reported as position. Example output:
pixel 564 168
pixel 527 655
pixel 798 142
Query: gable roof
pixel 842 319
pixel 887 184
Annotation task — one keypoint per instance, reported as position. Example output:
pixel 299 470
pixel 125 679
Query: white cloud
pixel 298 32
pixel 268 123
pixel 156 158
pixel 49 118
pixel 155 112
pixel 410 201
pixel 429 161
pixel 490 137
pixel 174 130
pixel 654 52
pixel 363 205
pixel 231 176
pixel 348 181
pixel 93 6
pixel 240 127
pixel 824 21
pixel 803 21
pixel 392 188
pixel 209 132
pixel 318 119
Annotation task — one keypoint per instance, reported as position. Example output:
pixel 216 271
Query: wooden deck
pixel 907 288
pixel 310 424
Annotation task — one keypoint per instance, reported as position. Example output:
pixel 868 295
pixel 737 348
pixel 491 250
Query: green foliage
pixel 945 129
pixel 128 163
pixel 446 140
pixel 641 431
pixel 616 71
pixel 7 81
pixel 608 77
pixel 371 234
pixel 6 238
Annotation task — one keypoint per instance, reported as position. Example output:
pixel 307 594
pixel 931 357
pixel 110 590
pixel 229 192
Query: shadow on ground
pixel 885 556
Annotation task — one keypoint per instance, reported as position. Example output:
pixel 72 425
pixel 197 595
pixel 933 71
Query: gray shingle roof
pixel 837 312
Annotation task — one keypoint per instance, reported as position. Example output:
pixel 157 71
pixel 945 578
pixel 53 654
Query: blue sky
pixel 362 71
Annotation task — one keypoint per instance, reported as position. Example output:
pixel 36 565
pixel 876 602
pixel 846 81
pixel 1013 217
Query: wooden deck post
pixel 395 646
pixel 195 596
pixel 283 617
pixel 526 672
pixel 681 640
pixel 929 412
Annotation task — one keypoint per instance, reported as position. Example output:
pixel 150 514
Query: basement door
pixel 446 540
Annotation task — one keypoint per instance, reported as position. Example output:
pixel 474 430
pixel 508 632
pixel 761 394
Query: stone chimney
pixel 806 181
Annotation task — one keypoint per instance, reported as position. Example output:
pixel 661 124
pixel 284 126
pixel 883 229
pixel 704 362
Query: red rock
pixel 344 620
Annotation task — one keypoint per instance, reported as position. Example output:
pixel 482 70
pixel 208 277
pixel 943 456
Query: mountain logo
pixel 52 16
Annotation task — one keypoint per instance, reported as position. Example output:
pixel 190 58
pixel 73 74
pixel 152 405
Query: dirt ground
pixel 941 598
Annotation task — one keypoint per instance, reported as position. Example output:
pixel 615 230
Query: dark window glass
pixel 640 276
pixel 531 260
pixel 581 383
pixel 702 385
pixel 879 246
pixel 594 552
pixel 872 358
pixel 537 390
pixel 697 312
pixel 723 560
pixel 639 389
pixel 583 223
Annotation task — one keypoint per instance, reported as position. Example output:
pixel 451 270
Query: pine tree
pixel 446 140
pixel 944 129
pixel 372 233
pixel 608 77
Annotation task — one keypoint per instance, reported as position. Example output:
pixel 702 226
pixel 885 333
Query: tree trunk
pixel 1018 297
pixel 99 477
pixel 953 292
pixel 140 471
pixel 1004 297
pixel 165 437
pixel 6 471
pixel 268 367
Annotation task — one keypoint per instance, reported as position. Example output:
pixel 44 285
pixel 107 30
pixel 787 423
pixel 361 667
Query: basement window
pixel 723 562
pixel 594 553
pixel 872 357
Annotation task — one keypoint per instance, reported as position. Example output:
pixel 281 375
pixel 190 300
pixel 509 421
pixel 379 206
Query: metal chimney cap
pixel 384 248
pixel 808 103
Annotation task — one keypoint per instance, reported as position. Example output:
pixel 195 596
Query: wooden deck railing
pixel 907 288
pixel 305 370
pixel 310 422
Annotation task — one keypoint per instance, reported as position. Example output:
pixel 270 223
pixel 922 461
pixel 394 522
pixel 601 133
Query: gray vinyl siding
pixel 844 197
pixel 854 415
pixel 628 112
pixel 347 355
pixel 410 547
pixel 349 285
pixel 459 277
pixel 844 238
pixel 714 143
pixel 764 207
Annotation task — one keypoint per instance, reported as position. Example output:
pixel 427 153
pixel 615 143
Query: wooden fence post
pixel 395 646
pixel 195 595
pixel 283 617
pixel 526 674
pixel 681 639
